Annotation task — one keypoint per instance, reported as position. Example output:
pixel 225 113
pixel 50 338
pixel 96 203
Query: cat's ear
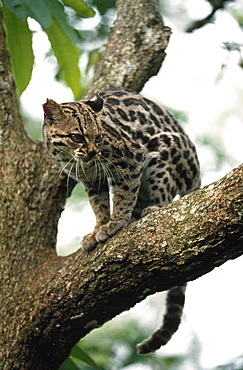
pixel 96 103
pixel 52 110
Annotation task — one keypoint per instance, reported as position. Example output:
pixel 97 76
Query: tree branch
pixel 178 243
pixel 135 48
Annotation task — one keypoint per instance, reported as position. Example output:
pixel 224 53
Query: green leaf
pixel 59 16
pixel 67 57
pixel 73 361
pixel 37 10
pixel 82 9
pixel 44 12
pixel 69 365
pixel 78 353
pixel 19 40
pixel 16 7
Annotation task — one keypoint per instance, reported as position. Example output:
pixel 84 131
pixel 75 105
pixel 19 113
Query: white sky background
pixel 187 82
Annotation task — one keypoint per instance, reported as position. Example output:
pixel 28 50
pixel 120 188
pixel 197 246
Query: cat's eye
pixel 76 138
pixel 99 138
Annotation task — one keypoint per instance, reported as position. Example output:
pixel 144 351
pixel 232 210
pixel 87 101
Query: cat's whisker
pixel 76 171
pixel 62 168
pixel 98 174
pixel 94 174
pixel 79 169
pixel 107 172
pixel 69 174
pixel 83 170
pixel 117 170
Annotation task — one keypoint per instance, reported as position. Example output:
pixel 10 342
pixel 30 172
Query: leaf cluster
pixel 54 19
pixel 106 351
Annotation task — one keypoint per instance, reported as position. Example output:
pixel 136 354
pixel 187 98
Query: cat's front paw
pixel 89 242
pixel 108 230
pixel 100 234
pixel 149 209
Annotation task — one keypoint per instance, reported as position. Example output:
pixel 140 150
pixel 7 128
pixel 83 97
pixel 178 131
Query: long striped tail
pixel 174 308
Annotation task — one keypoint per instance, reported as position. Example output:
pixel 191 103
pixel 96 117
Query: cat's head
pixel 74 128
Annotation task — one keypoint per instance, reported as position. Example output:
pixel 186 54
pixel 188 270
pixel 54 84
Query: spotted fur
pixel 122 141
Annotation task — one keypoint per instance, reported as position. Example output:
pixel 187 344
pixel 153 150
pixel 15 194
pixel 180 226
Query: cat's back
pixel 138 116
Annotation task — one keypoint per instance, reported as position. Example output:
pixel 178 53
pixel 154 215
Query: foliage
pixel 61 22
pixel 101 349
pixel 76 360
pixel 19 38
pixel 113 346
pixel 52 16
pixel 109 352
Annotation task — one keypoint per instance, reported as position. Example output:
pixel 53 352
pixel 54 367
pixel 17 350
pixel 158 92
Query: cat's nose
pixel 92 153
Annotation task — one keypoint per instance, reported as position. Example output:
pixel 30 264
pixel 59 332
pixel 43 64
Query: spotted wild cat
pixel 122 141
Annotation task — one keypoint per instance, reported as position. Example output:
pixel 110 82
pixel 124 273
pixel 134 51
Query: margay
pixel 122 141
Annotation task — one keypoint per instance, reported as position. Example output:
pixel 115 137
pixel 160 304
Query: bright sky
pixel 187 82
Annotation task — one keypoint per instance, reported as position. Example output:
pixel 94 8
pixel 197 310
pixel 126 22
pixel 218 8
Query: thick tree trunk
pixel 49 302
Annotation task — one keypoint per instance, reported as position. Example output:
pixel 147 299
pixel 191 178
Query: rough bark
pixel 135 48
pixel 49 302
